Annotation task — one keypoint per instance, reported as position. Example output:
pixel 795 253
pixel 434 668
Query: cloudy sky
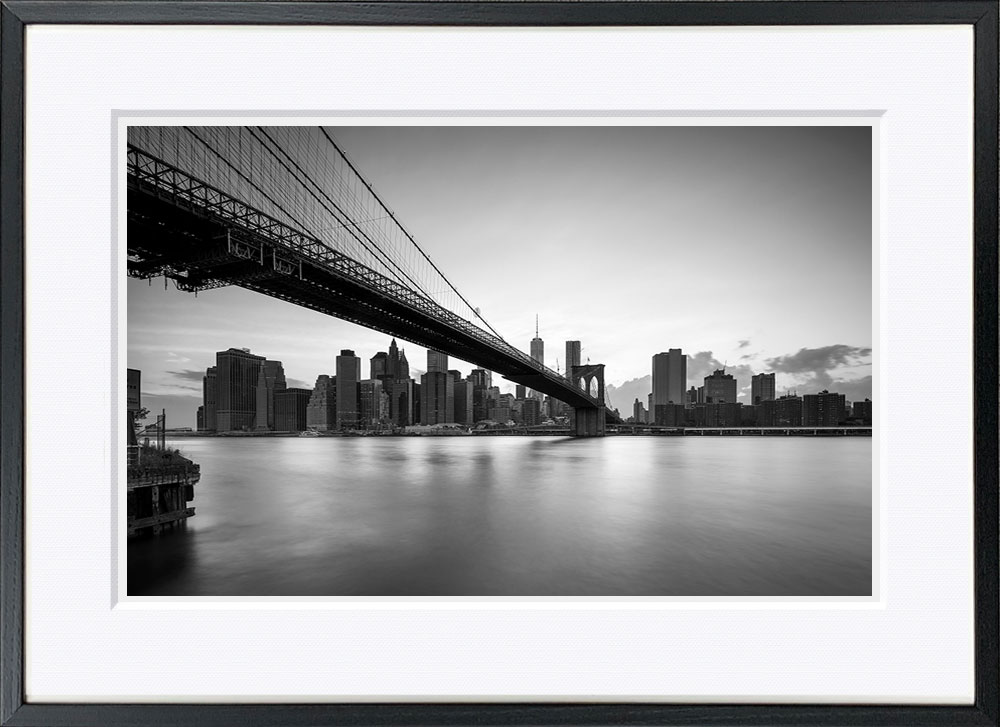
pixel 749 246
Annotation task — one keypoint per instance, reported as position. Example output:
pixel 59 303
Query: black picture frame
pixel 16 15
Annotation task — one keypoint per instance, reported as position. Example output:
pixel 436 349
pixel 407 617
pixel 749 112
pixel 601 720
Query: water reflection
pixel 519 516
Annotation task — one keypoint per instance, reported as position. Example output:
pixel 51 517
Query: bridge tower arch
pixel 589 421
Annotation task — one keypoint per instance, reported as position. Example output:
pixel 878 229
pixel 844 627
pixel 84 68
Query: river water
pixel 519 516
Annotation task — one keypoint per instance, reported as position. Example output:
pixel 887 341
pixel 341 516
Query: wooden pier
pixel 159 491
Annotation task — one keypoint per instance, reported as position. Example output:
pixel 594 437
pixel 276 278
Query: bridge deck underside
pixel 196 249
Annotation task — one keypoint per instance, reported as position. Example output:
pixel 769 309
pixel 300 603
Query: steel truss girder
pixel 296 250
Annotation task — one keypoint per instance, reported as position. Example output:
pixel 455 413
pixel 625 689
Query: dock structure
pixel 159 491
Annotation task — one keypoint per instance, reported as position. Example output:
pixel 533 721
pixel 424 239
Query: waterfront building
pixel 720 388
pixel 718 414
pixel 199 417
pixel 669 377
pixel 208 392
pixel 520 391
pixel 530 413
pixel 822 410
pixel 401 403
pixel 761 388
pixel 290 409
pixel 371 395
pixel 321 412
pixel 270 380
pixel 464 401
pixel 437 397
pixel 863 411
pixel 748 415
pixel 348 377
pixel 237 372
pixel 572 357
pixel 670 415
pixel 785 411
pixel 554 407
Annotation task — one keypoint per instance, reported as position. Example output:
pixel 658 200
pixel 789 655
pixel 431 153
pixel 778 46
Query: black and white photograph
pixel 500 361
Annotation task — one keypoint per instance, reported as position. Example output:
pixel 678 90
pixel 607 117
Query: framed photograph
pixel 499 363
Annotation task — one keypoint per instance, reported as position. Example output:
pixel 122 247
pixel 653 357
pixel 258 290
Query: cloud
pixel 188 375
pixel 744 343
pixel 818 360
pixel 297 384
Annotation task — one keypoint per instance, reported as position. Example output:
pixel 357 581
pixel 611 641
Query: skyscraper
pixel 537 346
pixel 270 380
pixel 437 362
pixel 464 402
pixel 392 362
pixel 669 377
pixel 321 412
pixel 402 367
pixel 437 397
pixel 572 356
pixel 237 371
pixel 761 388
pixel 371 396
pixel 379 365
pixel 720 388
pixel 208 389
pixel 290 407
pixel 348 395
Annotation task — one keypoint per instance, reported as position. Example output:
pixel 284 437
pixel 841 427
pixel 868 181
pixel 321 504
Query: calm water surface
pixel 668 516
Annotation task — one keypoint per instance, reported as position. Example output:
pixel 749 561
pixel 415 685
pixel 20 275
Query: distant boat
pixel 309 433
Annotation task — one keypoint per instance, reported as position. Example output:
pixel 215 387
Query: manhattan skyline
pixel 745 246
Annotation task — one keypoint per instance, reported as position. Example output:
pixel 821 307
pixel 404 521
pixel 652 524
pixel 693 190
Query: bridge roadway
pixel 185 229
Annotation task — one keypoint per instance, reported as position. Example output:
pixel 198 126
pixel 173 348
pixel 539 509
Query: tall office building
pixel 237 372
pixel 572 356
pixel 480 385
pixel 290 407
pixel 720 388
pixel 379 365
pixel 392 361
pixel 208 391
pixel 669 378
pixel 464 399
pixel 761 388
pixel 372 407
pixel 437 362
pixel 321 413
pixel 270 380
pixel 348 396
pixel 437 397
pixel 402 367
pixel 531 413
pixel 401 403
pixel 537 346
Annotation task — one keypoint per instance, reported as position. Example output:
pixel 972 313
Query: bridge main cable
pixel 410 237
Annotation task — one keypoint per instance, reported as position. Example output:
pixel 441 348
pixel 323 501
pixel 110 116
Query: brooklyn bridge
pixel 283 211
